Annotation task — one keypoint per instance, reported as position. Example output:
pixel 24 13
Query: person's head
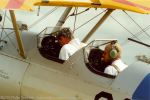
pixel 64 36
pixel 112 52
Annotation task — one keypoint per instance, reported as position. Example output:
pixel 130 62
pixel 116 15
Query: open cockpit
pixel 49 48
pixel 93 57
pixel 48 45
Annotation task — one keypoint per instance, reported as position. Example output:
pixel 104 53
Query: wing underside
pixel 140 6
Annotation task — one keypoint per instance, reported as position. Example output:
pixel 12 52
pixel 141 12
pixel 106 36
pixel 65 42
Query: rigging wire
pixel 125 28
pixel 136 24
pixel 90 20
pixel 75 18
pixel 144 29
pixel 40 19
pixel 38 13
pixel 7 16
pixel 73 14
pixel 7 36
pixel 3 25
pixel 3 31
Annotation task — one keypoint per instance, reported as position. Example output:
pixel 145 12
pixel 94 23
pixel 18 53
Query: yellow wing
pixel 17 4
pixel 140 6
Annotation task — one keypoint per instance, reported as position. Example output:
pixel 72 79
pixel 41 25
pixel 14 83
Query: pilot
pixel 69 44
pixel 112 56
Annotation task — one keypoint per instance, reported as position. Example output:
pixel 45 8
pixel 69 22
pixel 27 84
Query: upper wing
pixel 140 6
pixel 17 4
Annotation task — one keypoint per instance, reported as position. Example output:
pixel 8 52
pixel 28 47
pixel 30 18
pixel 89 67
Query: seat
pixel 95 60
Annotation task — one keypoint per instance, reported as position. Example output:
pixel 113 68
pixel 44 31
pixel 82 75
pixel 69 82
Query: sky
pixel 118 26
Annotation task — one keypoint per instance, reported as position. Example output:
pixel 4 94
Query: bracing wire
pixel 137 24
pixel 7 16
pixel 75 18
pixel 40 19
pixel 38 13
pixel 124 27
pixel 3 25
pixel 7 36
pixel 3 31
pixel 144 29
pixel 73 14
pixel 90 19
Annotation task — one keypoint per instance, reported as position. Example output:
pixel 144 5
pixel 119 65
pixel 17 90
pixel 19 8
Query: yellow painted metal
pixel 68 3
pixel 19 40
pixel 140 6
pixel 27 5
pixel 3 3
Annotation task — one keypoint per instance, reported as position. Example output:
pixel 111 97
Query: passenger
pixel 69 44
pixel 112 56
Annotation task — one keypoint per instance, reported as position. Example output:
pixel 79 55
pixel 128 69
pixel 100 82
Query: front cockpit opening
pixel 58 44
pixel 48 45
pixel 93 53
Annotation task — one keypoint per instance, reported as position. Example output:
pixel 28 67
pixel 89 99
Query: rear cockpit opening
pixel 93 53
pixel 48 45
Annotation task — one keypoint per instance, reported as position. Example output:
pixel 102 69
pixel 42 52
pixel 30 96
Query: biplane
pixel 40 76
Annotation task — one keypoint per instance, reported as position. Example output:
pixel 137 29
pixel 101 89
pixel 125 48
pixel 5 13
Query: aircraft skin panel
pixel 84 73
pixel 143 90
pixel 52 84
pixel 129 80
pixel 11 76
pixel 76 67
pixel 42 82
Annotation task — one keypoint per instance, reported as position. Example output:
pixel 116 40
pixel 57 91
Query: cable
pixel 40 19
pixel 90 19
pixel 3 24
pixel 144 29
pixel 38 13
pixel 7 17
pixel 124 27
pixel 73 14
pixel 137 24
pixel 75 18
pixel 7 36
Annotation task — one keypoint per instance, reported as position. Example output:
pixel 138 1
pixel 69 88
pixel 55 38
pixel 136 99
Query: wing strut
pixel 100 22
pixel 19 40
pixel 62 19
